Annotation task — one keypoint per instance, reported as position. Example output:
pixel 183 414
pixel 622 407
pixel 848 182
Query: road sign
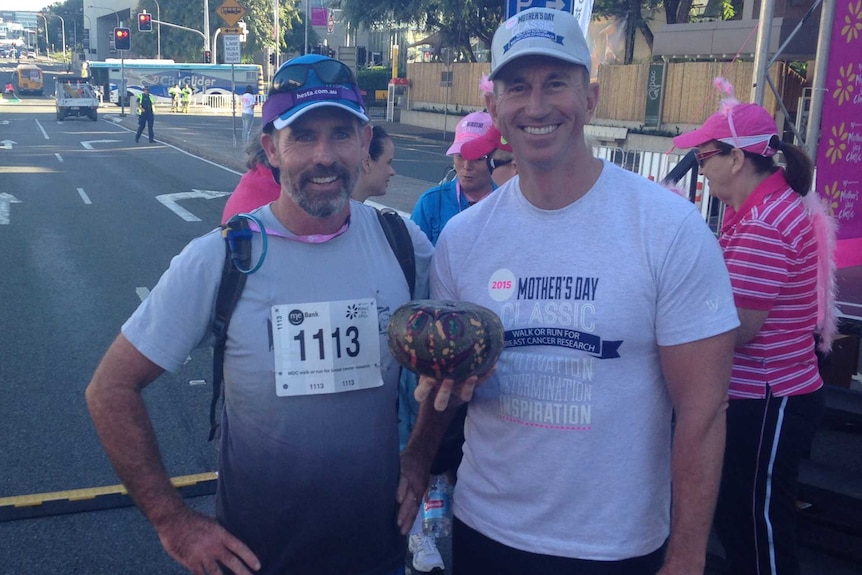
pixel 231 31
pixel 581 9
pixel 231 12
pixel 232 49
pixel 515 6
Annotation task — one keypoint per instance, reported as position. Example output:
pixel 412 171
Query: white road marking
pixel 5 200
pixel 44 133
pixel 88 145
pixel 170 201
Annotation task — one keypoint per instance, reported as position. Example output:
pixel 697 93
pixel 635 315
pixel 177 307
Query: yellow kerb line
pixel 94 492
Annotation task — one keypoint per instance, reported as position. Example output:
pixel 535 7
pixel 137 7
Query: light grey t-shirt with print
pixel 567 447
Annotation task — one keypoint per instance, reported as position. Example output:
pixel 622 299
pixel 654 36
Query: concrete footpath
pixel 830 532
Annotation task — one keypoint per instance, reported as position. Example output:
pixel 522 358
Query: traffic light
pixel 145 22
pixel 122 39
pixel 272 58
pixel 208 56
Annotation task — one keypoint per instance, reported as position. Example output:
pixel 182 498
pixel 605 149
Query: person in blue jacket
pixel 437 205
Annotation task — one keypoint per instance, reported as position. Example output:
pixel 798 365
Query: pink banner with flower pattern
pixel 839 154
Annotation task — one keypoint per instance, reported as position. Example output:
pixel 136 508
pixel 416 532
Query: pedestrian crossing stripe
pixel 93 498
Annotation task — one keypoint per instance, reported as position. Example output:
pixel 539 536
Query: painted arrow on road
pixel 7 144
pixel 5 201
pixel 88 145
pixel 170 201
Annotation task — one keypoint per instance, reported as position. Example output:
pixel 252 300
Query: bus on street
pixel 29 80
pixel 209 82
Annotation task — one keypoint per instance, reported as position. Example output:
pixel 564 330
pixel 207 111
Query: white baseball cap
pixel 539 32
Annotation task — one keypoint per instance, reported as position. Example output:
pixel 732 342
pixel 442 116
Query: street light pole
pixel 47 43
pixel 275 34
pixel 207 25
pixel 158 31
pixel 63 27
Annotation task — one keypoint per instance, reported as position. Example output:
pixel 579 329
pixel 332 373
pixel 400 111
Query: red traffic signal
pixel 208 57
pixel 122 39
pixel 145 22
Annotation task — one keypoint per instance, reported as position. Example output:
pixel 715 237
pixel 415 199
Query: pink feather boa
pixel 824 232
pixel 728 100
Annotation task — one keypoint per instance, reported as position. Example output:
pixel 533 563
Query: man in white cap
pixel 472 183
pixel 618 315
pixel 308 473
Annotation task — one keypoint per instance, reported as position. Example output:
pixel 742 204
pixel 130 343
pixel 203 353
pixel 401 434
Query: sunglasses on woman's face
pixel 702 157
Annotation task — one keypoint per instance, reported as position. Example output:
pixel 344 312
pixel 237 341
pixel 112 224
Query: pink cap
pixel 470 127
pixel 745 126
pixel 484 145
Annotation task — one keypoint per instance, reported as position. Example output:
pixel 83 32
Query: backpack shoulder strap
pixel 401 243
pixel 237 239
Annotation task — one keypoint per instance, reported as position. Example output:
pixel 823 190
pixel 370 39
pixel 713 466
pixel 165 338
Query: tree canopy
pixel 460 21
pixel 183 45
pixel 456 22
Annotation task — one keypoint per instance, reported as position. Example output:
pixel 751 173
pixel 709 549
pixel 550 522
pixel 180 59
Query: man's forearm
pixel 429 429
pixel 121 420
pixel 696 467
pixel 130 442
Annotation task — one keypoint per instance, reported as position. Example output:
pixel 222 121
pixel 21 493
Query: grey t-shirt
pixel 308 482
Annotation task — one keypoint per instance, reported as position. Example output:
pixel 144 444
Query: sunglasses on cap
pixel 294 76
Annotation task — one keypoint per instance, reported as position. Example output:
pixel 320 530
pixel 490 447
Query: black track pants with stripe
pixel 756 515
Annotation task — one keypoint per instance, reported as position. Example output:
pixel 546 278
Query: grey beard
pixel 320 208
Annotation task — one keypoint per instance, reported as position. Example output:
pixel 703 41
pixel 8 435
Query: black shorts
pixel 476 554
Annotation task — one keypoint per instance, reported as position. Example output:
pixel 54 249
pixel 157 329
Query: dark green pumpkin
pixel 445 339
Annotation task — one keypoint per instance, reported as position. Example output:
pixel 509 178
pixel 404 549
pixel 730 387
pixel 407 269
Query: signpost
pixel 231 12
pixel 232 49
pixel 582 9
pixel 654 92
pixel 515 6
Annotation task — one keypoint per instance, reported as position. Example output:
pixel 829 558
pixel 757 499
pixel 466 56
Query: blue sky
pixel 23 5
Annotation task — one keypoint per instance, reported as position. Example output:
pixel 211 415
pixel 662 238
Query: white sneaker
pixel 426 557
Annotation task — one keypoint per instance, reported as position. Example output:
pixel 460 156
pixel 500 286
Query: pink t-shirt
pixel 771 253
pixel 255 189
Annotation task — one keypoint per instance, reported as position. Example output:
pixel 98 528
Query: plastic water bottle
pixel 437 509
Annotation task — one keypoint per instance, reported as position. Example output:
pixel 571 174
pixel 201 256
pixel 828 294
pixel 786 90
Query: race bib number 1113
pixel 326 347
